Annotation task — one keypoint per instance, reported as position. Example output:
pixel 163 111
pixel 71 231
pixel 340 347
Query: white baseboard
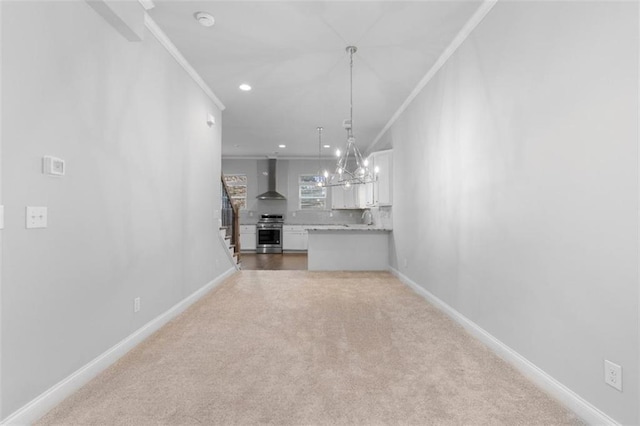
pixel 563 394
pixel 38 407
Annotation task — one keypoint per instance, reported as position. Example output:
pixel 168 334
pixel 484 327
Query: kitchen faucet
pixel 366 217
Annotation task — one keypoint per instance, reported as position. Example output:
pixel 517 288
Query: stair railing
pixel 230 212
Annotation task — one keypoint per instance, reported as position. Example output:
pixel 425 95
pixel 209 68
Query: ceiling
pixel 293 55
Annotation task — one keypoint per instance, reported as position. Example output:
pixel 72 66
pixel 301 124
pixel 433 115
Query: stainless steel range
pixel 269 233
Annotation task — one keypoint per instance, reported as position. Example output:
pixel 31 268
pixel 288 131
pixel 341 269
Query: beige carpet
pixel 310 348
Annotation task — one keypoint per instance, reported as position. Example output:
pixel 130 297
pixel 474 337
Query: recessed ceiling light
pixel 326 146
pixel 205 19
pixel 282 146
pixel 244 87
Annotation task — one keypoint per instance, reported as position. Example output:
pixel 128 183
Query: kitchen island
pixel 348 248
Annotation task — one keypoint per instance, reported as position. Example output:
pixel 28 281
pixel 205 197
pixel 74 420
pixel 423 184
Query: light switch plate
pixel 36 217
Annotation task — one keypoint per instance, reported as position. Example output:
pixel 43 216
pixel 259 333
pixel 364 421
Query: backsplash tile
pixel 381 216
pixel 305 217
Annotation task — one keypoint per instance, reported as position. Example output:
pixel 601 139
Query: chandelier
pixel 351 168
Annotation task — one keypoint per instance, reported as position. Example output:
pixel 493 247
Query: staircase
pixel 230 224
pixel 233 253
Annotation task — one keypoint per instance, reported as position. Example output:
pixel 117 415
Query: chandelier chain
pixel 351 94
pixel 351 50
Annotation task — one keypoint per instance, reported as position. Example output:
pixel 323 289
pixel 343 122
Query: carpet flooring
pixel 310 348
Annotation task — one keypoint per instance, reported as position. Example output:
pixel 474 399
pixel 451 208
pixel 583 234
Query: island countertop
pixel 350 227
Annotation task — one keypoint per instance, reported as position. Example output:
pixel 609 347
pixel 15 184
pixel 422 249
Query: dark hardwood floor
pixel 274 262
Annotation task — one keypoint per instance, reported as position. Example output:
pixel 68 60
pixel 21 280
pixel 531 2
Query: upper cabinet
pixel 342 198
pixel 383 189
pixel 380 193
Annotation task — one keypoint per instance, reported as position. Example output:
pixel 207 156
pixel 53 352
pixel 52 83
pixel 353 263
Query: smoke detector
pixel 205 19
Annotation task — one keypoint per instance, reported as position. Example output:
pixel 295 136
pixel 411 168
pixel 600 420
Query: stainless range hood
pixel 271 193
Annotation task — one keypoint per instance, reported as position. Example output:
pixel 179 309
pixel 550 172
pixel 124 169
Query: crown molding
pixel 124 17
pixel 173 50
pixel 147 4
pixel 468 28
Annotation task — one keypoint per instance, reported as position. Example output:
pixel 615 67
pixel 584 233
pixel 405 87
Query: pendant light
pixel 351 168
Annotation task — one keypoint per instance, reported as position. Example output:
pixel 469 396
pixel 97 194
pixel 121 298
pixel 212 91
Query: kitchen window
pixel 312 196
pixel 237 186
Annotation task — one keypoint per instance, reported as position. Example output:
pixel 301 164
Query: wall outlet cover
pixel 613 375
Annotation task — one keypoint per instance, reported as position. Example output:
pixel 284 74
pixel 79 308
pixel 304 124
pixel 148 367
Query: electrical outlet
pixel 405 262
pixel 613 375
pixel 136 305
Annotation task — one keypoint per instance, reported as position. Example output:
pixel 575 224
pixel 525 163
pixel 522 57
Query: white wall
pixel 1 203
pixel 135 216
pixel 517 168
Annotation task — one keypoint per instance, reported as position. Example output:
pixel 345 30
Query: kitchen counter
pixel 348 248
pixel 351 227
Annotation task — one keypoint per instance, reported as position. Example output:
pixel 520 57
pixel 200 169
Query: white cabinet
pixel 362 195
pixel 380 193
pixel 367 194
pixel 345 198
pixel 294 237
pixel 247 237
pixel 383 161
